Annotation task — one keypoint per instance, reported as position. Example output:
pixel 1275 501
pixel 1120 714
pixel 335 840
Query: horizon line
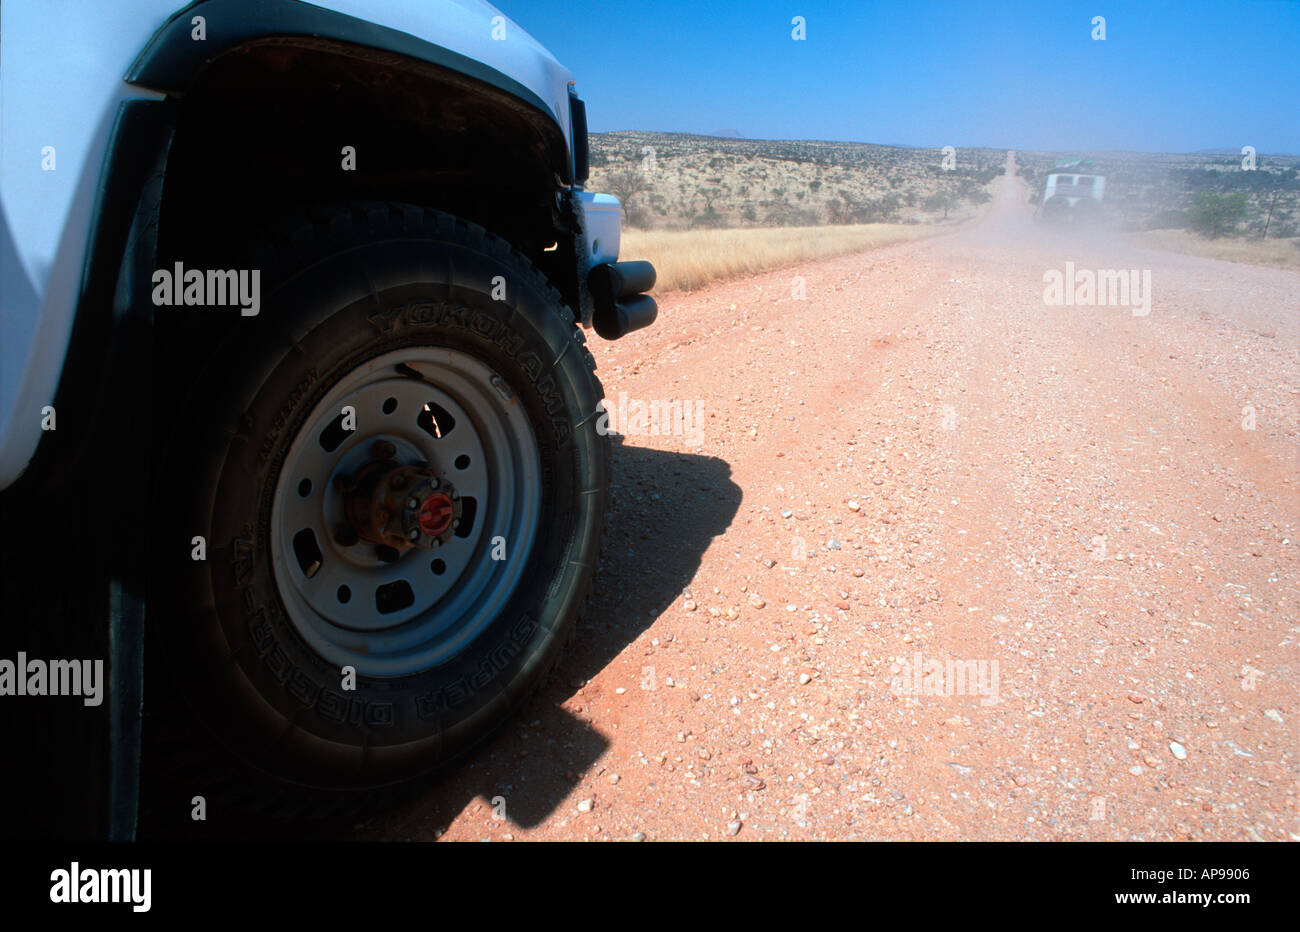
pixel 1222 151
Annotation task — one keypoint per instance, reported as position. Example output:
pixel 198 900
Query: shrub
pixel 1215 215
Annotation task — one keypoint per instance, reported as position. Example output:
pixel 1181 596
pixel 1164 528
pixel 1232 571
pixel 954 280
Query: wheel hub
pixel 402 507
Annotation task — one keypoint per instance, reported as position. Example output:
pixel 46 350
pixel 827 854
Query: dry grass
pixel 687 259
pixel 1278 253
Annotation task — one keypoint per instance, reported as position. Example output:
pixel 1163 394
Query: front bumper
pixel 617 289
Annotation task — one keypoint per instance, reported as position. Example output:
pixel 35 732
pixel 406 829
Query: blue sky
pixel 1169 77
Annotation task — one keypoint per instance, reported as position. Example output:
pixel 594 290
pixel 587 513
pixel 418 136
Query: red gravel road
pixel 943 562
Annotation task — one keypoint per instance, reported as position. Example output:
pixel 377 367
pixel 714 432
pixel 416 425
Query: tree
pixel 780 213
pixel 1215 215
pixel 627 184
pixel 709 195
pixel 941 200
pixel 888 205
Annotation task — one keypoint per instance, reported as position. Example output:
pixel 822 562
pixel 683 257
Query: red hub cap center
pixel 436 513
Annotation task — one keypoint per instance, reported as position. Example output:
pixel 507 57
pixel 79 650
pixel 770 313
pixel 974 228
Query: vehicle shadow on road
pixel 666 509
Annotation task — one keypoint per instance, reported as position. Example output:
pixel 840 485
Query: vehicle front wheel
pixel 396 471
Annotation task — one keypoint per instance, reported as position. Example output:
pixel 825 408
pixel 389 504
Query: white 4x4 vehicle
pixel 1072 196
pixel 294 378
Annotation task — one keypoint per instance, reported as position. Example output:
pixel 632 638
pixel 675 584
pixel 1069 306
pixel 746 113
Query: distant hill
pixel 678 180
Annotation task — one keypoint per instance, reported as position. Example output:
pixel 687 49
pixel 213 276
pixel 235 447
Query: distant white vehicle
pixel 1072 196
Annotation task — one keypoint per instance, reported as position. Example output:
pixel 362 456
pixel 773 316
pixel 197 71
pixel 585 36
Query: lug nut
pixel 415 533
pixel 412 503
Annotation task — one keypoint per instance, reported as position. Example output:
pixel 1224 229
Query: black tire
pixel 1087 213
pixel 351 284
pixel 1056 210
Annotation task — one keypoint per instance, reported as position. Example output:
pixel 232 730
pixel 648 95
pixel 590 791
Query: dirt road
pixel 943 561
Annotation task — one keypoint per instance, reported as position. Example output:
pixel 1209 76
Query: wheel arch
pixel 267 102
pixel 173 60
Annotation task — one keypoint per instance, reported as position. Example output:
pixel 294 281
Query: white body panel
pixel 62 64
pixel 604 224
pixel 61 67
pixel 1074 187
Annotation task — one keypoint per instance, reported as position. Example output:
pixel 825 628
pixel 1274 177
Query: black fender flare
pixel 172 59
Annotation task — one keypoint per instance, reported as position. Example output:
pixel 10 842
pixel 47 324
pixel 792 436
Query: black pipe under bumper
pixel 612 280
pixel 624 316
pixel 617 290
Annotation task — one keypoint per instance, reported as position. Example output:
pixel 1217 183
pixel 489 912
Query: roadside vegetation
pixel 1277 253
